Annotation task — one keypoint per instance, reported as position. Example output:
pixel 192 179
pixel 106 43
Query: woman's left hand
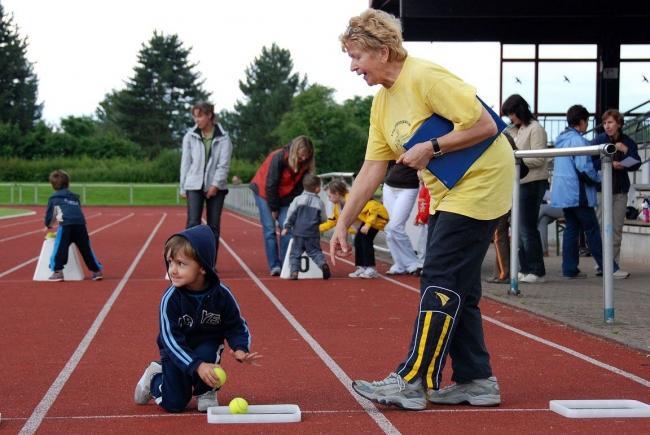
pixel 418 156
pixel 212 191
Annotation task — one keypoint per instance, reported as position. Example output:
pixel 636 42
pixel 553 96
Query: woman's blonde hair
pixel 373 29
pixel 298 143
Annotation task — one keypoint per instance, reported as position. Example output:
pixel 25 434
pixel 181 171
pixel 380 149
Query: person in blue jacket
pixel 573 189
pixel 64 208
pixel 197 315
pixel 625 147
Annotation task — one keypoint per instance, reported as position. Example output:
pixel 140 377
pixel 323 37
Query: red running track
pixel 72 352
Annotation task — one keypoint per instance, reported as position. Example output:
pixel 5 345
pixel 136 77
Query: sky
pixel 83 49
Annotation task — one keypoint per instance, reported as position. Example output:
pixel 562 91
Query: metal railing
pixel 606 151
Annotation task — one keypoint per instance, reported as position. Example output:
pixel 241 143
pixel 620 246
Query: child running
pixel 197 314
pixel 306 213
pixel 372 219
pixel 64 208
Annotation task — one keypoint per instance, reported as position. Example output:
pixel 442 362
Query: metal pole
pixel 514 234
pixel 131 194
pixel 608 239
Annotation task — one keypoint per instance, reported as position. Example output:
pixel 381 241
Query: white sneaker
pixel 369 273
pixel 357 273
pixel 142 392
pixel 520 276
pixel 206 400
pixel 621 274
pixel 533 279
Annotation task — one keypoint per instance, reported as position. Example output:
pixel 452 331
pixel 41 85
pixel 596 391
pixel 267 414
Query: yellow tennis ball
pixel 221 374
pixel 238 406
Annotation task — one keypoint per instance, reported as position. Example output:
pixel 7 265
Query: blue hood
pixel 202 240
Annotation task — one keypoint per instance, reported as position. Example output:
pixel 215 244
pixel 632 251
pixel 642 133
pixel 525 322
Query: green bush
pixel 163 169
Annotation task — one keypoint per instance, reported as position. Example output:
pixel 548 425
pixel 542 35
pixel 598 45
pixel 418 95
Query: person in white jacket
pixel 205 161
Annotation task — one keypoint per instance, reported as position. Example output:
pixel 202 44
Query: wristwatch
pixel 437 152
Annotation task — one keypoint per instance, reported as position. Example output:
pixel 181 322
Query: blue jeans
pixel 274 253
pixel 578 218
pixel 531 255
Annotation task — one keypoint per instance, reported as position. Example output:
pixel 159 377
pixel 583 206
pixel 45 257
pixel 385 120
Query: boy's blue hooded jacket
pixel 189 318
pixel 70 207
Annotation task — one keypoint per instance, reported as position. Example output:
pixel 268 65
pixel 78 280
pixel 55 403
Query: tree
pixel 339 132
pixel 18 82
pixel 268 91
pixel 154 108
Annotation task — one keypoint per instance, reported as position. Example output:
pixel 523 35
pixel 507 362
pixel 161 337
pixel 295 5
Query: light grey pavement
pixel 579 303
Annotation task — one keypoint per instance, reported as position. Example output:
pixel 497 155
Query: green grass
pixel 6 212
pixel 92 193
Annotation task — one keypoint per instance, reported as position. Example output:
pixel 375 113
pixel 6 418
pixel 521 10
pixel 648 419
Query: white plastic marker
pixel 256 414
pixel 600 408
pixel 308 269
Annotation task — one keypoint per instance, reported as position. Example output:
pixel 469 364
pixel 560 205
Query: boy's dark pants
pixel 364 250
pixel 309 245
pixel 77 234
pixel 173 388
pixel 449 319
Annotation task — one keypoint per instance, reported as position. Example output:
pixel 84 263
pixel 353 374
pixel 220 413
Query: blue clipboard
pixel 452 166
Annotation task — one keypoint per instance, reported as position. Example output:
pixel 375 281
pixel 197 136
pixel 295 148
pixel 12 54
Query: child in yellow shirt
pixel 372 219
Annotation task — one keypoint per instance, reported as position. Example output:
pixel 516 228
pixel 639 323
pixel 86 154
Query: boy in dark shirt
pixel 64 207
pixel 197 314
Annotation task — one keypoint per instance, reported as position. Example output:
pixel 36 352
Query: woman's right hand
pixel 339 243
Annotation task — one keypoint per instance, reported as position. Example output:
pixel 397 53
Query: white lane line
pixel 40 230
pixel 576 354
pixel 19 223
pixel 32 260
pixel 367 405
pixel 467 410
pixel 35 420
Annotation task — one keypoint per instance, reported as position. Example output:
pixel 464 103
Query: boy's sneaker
pixel 294 275
pixel 142 392
pixel 206 400
pixel 393 390
pixel 97 276
pixel 326 271
pixel 395 271
pixel 369 273
pixel 357 273
pixel 56 276
pixel 479 392
pixel 276 271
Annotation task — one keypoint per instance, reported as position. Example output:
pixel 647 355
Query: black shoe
pixel 326 271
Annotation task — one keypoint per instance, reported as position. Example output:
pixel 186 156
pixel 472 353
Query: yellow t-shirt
pixel 422 89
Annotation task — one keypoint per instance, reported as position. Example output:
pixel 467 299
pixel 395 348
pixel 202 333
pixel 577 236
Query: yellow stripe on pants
pixel 423 341
pixel 441 340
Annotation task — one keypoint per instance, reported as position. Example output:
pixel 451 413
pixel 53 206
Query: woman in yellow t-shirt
pixel 461 222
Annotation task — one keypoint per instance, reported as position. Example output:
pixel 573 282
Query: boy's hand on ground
pixel 246 357
pixel 207 374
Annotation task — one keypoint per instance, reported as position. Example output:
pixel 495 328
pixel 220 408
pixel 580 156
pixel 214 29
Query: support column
pixel 608 78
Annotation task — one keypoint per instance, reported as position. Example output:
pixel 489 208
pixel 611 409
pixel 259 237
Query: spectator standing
pixel 573 189
pixel 399 194
pixel 625 147
pixel 205 162
pixel 529 135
